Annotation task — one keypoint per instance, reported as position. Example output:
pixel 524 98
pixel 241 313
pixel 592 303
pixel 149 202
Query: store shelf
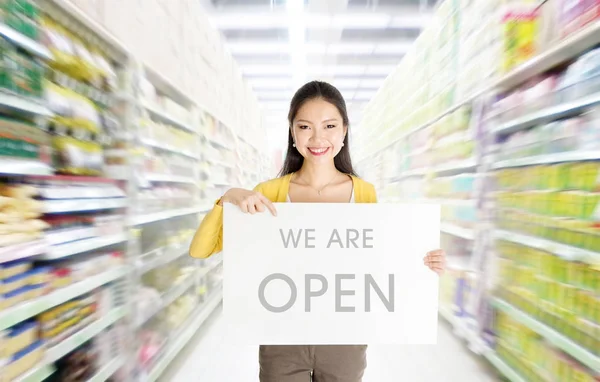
pixel 168 298
pixel 25 42
pixel 82 192
pixel 565 251
pixel 162 116
pixel 197 319
pixel 219 143
pixel 557 339
pixel 503 367
pixel 23 251
pixel 558 53
pixel 164 215
pixel 23 105
pixel 168 178
pixel 221 163
pixel 46 368
pixel 548 114
pixel 444 169
pixel 209 267
pixel 455 230
pixel 158 145
pixel 162 256
pixel 108 370
pixel 12 166
pixel 28 309
pixel 411 173
pixel 447 314
pixel 80 205
pixel 37 374
pixel 442 202
pixel 82 336
pixel 576 156
pixel 81 246
pixel 455 167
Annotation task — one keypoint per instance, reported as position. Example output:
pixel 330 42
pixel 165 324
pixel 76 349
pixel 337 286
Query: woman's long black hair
pixel 317 89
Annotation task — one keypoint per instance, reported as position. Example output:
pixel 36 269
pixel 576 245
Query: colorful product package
pixel 519 36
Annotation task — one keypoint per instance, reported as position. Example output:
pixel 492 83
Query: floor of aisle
pixel 208 359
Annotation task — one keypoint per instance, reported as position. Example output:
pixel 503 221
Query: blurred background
pixel 122 121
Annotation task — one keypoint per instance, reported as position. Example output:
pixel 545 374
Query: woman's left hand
pixel 436 261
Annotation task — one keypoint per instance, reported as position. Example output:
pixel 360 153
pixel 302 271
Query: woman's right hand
pixel 248 201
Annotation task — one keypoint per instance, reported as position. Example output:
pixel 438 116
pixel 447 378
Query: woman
pixel 317 169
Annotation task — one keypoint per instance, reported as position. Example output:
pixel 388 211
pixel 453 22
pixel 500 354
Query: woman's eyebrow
pixel 303 120
pixel 331 120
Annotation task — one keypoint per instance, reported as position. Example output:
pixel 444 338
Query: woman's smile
pixel 318 151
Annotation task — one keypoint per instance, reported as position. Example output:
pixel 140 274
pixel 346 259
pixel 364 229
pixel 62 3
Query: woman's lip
pixel 324 151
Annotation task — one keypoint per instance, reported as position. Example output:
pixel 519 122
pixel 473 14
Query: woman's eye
pixel 330 126
pixel 303 127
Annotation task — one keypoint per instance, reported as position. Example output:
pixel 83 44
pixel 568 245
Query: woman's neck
pixel 317 176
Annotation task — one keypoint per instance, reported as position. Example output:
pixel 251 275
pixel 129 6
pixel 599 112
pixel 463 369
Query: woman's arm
pixel 208 239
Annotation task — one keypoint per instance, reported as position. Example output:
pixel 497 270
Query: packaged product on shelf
pixel 13 268
pixel 22 16
pixel 178 312
pixel 582 78
pixel 19 213
pixel 152 343
pixel 560 293
pixel 22 362
pixel 18 338
pixel 60 322
pixel 520 30
pixel 77 366
pixel 576 14
pixel 148 301
pixel 75 156
pixel 534 358
pixel 21 73
pixel 21 139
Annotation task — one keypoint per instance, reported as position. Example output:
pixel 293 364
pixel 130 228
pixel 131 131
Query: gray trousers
pixel 322 363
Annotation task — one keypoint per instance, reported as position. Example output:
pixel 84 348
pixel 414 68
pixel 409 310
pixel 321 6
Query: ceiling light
pixel 285 95
pixel 354 48
pixel 362 20
pixel 275 105
pixel 277 19
pixel 364 95
pixel 346 83
pixel 380 69
pixel 393 48
pixel 263 47
pixel 265 70
pixel 268 84
pixel 371 83
pixel 297 35
pixel 413 20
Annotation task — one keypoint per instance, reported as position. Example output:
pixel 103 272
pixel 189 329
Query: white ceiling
pixel 353 44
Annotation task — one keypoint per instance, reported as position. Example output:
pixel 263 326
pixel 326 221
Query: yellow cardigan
pixel 208 239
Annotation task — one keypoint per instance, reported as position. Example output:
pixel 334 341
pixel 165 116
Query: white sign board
pixel 331 274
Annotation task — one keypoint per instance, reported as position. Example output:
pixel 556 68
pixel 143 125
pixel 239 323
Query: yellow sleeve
pixel 208 239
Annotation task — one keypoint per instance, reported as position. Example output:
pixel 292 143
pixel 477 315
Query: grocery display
pixel 106 169
pixel 494 115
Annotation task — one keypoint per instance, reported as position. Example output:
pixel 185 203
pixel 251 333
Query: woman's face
pixel 318 131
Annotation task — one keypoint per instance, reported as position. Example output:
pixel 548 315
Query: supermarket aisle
pixel 207 359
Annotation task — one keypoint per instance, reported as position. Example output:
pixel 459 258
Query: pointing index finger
pixel 269 204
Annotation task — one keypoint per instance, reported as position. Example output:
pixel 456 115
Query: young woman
pixel 317 169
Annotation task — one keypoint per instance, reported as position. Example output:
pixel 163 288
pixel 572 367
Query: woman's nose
pixel 317 133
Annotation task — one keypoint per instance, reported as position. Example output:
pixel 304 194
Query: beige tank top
pixel 351 197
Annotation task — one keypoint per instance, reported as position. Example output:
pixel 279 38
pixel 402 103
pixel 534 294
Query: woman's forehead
pixel 317 110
